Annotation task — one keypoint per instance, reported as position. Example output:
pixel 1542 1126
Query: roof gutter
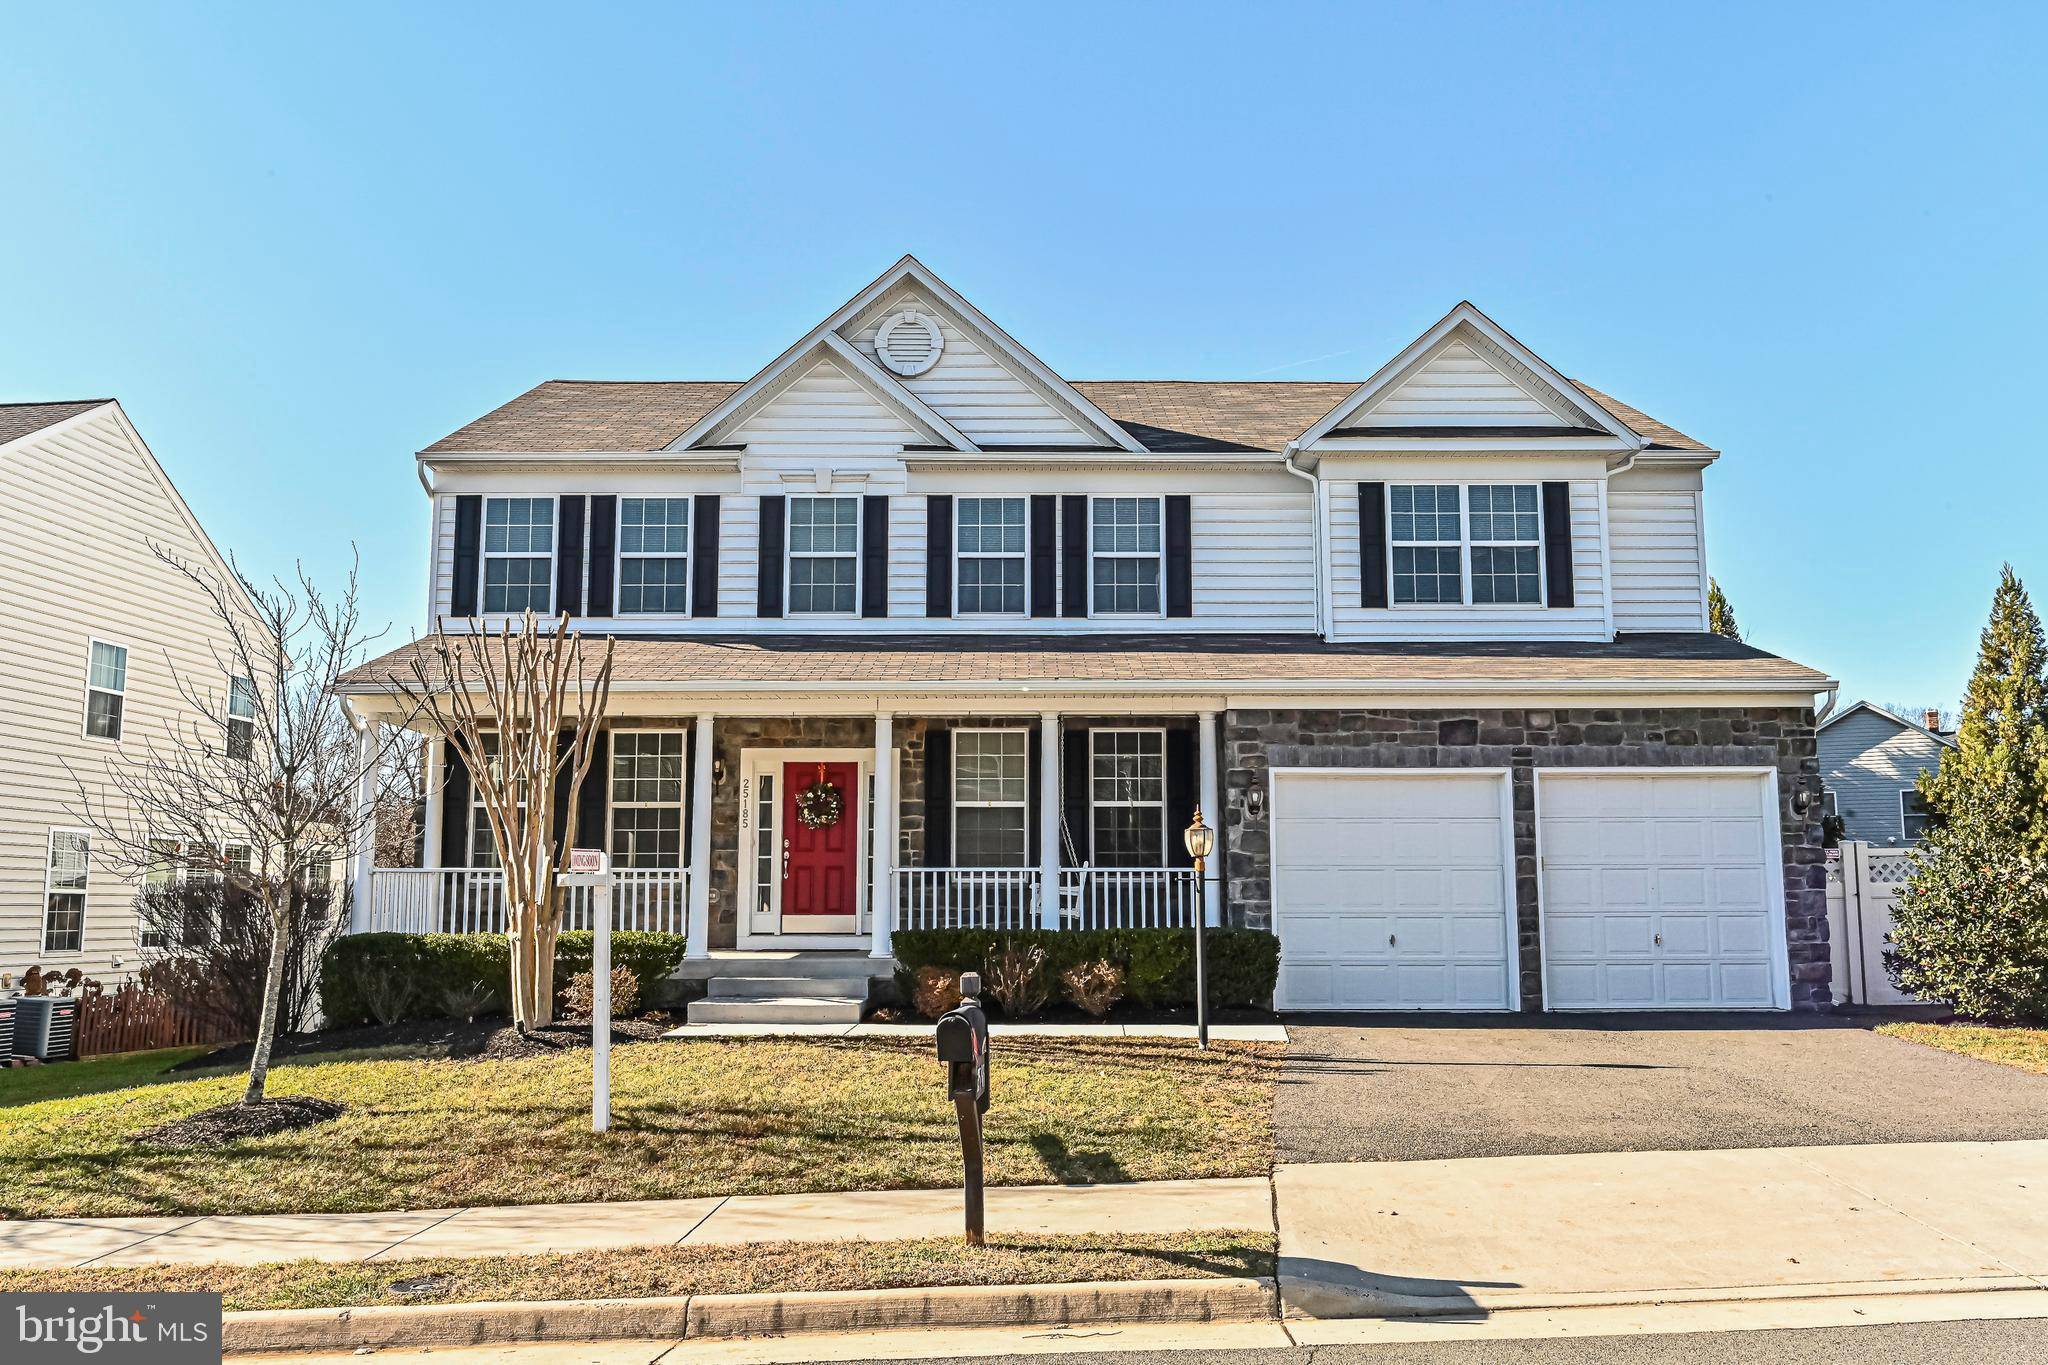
pixel 1317 515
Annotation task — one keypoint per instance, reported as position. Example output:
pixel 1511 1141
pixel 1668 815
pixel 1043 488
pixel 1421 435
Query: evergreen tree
pixel 2002 740
pixel 1720 616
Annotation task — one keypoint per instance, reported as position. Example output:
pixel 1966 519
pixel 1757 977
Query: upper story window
pixel 241 719
pixel 647 798
pixel 654 549
pixel 991 783
pixel 1444 534
pixel 64 881
pixel 1124 541
pixel 991 552
pixel 1127 791
pixel 824 555
pixel 1912 814
pixel 106 688
pixel 519 554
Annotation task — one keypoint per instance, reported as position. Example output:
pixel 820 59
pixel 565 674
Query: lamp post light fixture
pixel 1201 842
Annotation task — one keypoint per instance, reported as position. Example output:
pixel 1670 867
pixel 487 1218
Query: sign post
pixel 590 867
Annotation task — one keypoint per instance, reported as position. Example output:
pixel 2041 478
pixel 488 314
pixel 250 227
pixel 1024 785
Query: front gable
pixel 825 402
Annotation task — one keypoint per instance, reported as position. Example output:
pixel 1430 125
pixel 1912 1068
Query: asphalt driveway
pixel 1416 1088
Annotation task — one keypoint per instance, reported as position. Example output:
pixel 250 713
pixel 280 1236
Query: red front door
pixel 821 867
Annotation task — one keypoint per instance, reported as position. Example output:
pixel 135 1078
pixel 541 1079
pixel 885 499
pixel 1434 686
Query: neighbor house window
pixel 106 690
pixel 1127 790
pixel 991 551
pixel 647 798
pixel 991 783
pixel 1124 541
pixel 241 719
pixel 654 549
pixel 1427 540
pixel 1912 815
pixel 1506 543
pixel 64 891
pixel 519 554
pixel 824 554
pixel 161 871
pixel 238 860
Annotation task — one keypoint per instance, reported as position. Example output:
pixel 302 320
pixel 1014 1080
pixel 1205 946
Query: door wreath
pixel 820 805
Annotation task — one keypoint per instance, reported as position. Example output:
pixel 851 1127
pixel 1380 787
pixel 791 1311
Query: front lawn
pixel 2025 1048
pixel 116 1071
pixel 663 1271
pixel 702 1117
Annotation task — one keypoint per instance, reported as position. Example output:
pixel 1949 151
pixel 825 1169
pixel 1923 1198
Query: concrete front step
pixel 778 1009
pixel 754 987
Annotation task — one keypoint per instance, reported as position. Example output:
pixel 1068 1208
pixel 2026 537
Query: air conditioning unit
pixel 46 1027
pixel 7 1010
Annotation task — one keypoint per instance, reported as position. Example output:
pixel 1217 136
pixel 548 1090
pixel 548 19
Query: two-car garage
pixel 1658 889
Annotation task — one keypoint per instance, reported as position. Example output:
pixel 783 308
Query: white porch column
pixel 882 895
pixel 364 855
pixel 1212 814
pixel 431 851
pixel 697 924
pixel 1049 820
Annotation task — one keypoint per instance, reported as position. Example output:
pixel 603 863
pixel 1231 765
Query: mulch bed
pixel 219 1126
pixel 492 1040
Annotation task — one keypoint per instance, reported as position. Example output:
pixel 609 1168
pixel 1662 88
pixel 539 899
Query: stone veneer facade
pixel 1523 740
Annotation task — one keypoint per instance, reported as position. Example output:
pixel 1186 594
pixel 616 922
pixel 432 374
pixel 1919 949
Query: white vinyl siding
pixel 824 410
pixel 1867 760
pixel 974 390
pixel 1659 570
pixel 1460 385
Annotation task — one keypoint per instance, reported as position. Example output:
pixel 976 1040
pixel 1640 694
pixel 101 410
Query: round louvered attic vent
pixel 909 343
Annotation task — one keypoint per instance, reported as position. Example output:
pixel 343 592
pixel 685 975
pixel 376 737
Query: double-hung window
pixel 241 719
pixel 647 798
pixel 1507 544
pixel 483 849
pixel 160 871
pixel 1127 791
pixel 1446 535
pixel 654 556
pixel 991 551
pixel 1427 538
pixel 519 554
pixel 106 689
pixel 1124 541
pixel 824 555
pixel 1912 814
pixel 64 891
pixel 991 786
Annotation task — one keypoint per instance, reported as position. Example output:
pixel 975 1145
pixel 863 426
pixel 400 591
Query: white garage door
pixel 1657 891
pixel 1389 891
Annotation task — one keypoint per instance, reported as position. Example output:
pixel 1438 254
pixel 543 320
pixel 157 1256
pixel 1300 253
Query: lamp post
pixel 1201 842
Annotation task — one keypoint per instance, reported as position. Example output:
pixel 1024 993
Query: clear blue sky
pixel 301 242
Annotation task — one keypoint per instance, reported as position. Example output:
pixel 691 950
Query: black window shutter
pixel 1557 542
pixel 1074 795
pixel 1044 576
pixel 768 583
pixel 874 555
pixel 604 539
pixel 704 555
pixel 1181 772
pixel 563 741
pixel 1372 543
pixel 1180 555
pixel 469 535
pixel 1034 762
pixel 689 785
pixel 454 808
pixel 938 796
pixel 938 555
pixel 569 556
pixel 1073 556
pixel 590 797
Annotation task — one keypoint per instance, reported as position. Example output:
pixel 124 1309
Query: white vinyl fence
pixel 1864 883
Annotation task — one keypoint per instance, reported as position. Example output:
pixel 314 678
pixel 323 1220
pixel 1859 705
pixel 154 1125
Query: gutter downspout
pixel 1827 708
pixel 1317 516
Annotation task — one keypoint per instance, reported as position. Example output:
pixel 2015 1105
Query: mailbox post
pixel 963 1047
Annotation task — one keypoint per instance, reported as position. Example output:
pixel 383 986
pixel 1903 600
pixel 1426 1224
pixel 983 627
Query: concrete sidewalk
pixel 1486 1234
pixel 1152 1207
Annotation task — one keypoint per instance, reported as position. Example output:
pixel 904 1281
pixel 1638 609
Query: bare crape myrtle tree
pixel 521 708
pixel 271 784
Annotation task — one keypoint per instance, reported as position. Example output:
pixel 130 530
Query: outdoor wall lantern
pixel 718 772
pixel 1254 802
pixel 1201 842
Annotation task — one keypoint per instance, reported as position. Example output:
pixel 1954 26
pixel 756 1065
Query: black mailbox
pixel 963 1047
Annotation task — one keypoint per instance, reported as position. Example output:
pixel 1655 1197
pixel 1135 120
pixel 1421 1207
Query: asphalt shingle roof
pixel 25 419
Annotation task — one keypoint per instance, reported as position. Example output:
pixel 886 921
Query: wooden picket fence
pixel 133 1018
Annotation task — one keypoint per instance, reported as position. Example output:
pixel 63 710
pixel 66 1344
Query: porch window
pixel 106 690
pixel 654 564
pixel 483 849
pixel 1428 543
pixel 519 554
pixel 1912 815
pixel 991 552
pixel 1125 544
pixel 991 787
pixel 824 555
pixel 64 880
pixel 647 798
pixel 241 726
pixel 1127 790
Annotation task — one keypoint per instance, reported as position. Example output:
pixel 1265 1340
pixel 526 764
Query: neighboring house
pixel 1430 650
pixel 99 632
pixel 1871 760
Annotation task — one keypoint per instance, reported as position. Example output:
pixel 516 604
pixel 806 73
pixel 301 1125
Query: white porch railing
pixel 966 898
pixel 1129 897
pixel 471 900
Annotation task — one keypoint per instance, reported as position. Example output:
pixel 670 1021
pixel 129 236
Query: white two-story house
pixel 1429 650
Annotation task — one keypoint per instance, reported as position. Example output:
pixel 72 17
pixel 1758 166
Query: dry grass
pixel 115 1071
pixel 2025 1048
pixel 751 1116
pixel 659 1271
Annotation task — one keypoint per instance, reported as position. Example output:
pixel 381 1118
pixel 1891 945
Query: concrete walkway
pixel 1153 1207
pixel 1221 1033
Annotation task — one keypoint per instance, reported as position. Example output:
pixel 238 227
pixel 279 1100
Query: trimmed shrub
pixel 934 990
pixel 1093 987
pixel 1017 978
pixel 1159 964
pixel 440 968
